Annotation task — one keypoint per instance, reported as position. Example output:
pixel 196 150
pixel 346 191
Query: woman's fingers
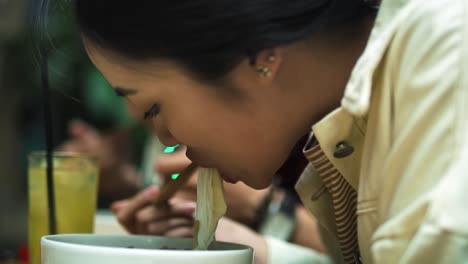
pixel 180 207
pixel 152 213
pixel 171 163
pixel 180 232
pixel 169 225
pixel 117 205
pixel 126 214
pixel 136 213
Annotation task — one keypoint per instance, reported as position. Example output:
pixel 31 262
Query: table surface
pixel 106 223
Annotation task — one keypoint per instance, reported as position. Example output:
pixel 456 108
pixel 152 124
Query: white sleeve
pixel 282 252
pixel 428 217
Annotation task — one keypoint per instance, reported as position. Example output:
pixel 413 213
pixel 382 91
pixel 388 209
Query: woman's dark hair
pixel 206 37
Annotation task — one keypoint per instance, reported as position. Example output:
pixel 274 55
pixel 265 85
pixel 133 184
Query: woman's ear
pixel 267 62
pixel 259 73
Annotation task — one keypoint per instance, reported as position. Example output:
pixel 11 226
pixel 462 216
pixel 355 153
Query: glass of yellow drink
pixel 75 190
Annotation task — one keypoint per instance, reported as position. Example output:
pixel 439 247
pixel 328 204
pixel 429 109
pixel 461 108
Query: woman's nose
pixel 163 133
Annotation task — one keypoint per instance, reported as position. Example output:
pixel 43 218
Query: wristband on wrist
pixel 279 220
pixel 262 211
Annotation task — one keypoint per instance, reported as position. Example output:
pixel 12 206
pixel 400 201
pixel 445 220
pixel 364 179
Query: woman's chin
pixel 229 179
pixel 259 185
pixel 249 181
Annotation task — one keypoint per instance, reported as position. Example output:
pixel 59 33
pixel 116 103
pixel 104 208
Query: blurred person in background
pixel 78 92
pixel 12 198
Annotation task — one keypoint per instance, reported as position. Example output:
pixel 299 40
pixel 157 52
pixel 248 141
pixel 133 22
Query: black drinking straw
pixel 49 144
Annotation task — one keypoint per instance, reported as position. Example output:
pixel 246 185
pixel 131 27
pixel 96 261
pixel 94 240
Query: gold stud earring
pixel 264 71
pixel 271 58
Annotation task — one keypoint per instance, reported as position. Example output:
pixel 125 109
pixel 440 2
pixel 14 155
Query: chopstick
pixel 170 187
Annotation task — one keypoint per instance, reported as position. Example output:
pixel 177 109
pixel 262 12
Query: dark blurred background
pixel 78 92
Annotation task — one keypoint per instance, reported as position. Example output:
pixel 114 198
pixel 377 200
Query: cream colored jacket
pixel 405 113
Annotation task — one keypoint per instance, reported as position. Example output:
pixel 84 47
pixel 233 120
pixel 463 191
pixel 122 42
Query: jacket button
pixel 343 150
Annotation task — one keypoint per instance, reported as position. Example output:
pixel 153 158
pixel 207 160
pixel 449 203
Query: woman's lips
pixel 197 160
pixel 206 164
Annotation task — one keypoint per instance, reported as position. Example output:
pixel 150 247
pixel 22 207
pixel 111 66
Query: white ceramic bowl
pixel 127 249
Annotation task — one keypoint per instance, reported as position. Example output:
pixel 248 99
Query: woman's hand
pixel 138 215
pixel 171 163
pixel 243 201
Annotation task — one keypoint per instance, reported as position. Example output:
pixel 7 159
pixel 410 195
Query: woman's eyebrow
pixel 123 92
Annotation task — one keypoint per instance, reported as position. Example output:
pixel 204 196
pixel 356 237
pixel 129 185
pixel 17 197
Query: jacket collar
pixel 357 95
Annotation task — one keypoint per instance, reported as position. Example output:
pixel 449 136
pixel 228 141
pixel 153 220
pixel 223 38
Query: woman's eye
pixel 154 110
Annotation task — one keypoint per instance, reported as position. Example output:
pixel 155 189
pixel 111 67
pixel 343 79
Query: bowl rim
pixel 52 239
